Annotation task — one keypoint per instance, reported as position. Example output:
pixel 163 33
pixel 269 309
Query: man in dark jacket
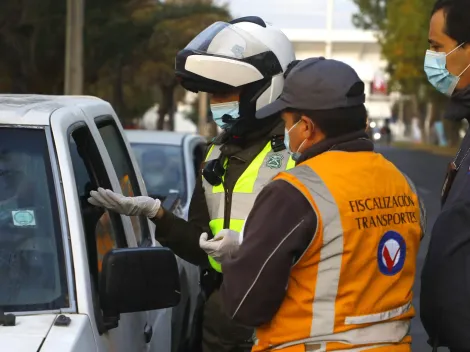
pixel 242 65
pixel 445 280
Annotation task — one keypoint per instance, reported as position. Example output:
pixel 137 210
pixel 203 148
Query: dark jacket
pixel 261 267
pixel 445 279
pixel 181 236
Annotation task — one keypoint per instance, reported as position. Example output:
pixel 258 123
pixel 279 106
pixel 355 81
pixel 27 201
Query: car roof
pixel 157 137
pixel 22 109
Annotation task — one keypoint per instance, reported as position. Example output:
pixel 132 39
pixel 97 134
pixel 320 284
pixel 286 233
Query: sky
pixel 295 14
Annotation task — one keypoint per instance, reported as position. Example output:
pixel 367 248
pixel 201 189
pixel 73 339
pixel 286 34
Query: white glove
pixel 222 246
pixel 131 206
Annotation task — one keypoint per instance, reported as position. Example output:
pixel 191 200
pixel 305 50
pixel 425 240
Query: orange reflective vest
pixel 352 288
pixel 105 240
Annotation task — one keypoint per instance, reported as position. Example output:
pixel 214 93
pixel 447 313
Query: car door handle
pixel 148 333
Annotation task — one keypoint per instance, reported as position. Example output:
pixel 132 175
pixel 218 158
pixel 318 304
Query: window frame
pixel 108 120
pixel 100 178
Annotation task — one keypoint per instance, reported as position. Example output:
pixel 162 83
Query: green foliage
pixel 372 16
pixel 130 46
pixel 402 27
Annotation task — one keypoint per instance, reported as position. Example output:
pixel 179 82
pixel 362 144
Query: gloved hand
pixel 131 206
pixel 222 246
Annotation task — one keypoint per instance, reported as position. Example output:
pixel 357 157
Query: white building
pixel 359 49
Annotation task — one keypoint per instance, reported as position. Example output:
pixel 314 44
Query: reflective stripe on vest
pixel 261 170
pixel 354 298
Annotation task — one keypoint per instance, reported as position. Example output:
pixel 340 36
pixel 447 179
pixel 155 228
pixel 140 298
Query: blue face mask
pixel 219 110
pixel 295 155
pixel 436 71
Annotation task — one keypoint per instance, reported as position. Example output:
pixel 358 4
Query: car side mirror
pixel 136 280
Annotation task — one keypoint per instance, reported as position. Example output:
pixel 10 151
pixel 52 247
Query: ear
pixel 307 127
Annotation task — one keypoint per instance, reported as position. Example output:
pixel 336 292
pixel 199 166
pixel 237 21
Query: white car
pixel 74 277
pixel 170 162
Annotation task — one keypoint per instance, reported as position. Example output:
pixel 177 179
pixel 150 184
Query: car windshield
pixel 162 167
pixel 32 266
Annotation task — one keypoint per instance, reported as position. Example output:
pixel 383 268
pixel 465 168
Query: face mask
pixel 219 110
pixel 295 155
pixel 436 71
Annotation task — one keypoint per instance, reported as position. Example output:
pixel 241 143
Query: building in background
pixel 360 50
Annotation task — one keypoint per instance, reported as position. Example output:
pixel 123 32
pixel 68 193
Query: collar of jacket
pixel 254 143
pixel 351 142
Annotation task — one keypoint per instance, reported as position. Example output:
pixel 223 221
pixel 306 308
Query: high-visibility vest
pixel 261 170
pixel 352 288
pixel 127 191
pixel 105 240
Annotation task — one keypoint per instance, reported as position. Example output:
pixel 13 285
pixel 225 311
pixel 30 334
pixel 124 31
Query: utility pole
pixel 73 82
pixel 202 116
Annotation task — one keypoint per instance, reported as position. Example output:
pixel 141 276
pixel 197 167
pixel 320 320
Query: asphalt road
pixel 427 172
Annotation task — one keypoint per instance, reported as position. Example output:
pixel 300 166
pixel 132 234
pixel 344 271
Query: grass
pixel 435 149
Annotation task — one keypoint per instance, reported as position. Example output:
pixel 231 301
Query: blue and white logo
pixel 391 253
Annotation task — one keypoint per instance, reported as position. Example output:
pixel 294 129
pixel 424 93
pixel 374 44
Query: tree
pixel 372 15
pixel 130 47
pixel 183 21
pixel 402 31
pixel 29 43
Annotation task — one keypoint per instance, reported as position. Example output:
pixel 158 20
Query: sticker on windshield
pixel 23 218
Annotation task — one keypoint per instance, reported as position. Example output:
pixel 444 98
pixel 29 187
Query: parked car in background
pixel 75 277
pixel 170 163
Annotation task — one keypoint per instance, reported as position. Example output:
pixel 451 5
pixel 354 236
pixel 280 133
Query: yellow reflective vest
pixel 261 170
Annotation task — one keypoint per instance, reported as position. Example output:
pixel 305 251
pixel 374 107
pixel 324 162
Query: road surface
pixel 427 172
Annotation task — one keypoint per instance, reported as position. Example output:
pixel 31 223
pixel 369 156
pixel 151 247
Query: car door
pixel 154 324
pixel 96 230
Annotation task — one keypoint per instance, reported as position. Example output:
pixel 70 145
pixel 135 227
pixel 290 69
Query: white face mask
pixel 231 109
pixel 295 155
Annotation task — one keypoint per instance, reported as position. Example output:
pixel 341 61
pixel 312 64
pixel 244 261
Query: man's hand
pixel 222 246
pixel 131 206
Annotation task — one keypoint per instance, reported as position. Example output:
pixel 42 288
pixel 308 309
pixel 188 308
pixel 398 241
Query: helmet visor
pixel 226 40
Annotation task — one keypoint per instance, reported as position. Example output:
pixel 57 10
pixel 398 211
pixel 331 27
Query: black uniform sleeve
pixel 182 236
pixel 278 230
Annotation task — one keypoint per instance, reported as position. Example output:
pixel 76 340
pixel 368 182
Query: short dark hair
pixel 336 122
pixel 456 13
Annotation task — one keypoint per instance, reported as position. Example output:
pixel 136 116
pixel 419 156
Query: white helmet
pixel 245 53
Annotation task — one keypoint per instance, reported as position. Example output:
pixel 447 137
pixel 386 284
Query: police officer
pixel 242 65
pixel 445 307
pixel 328 254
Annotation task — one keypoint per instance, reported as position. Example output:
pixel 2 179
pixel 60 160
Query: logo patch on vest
pixel 275 161
pixel 391 253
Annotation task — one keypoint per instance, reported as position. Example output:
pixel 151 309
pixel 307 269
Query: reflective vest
pixel 261 170
pixel 352 288
pixel 105 240
pixel 127 191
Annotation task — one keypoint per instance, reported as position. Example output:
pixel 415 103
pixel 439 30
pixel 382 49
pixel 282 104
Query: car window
pixel 162 168
pixel 103 229
pixel 32 261
pixel 125 172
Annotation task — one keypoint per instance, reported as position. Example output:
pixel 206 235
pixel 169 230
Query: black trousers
pixel 219 332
